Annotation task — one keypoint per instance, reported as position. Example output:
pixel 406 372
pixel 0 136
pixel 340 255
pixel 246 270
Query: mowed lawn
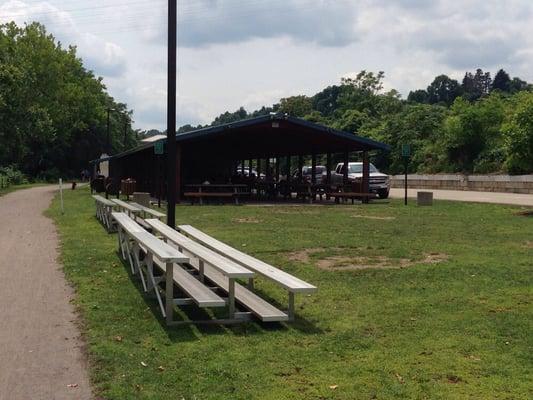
pixel 443 309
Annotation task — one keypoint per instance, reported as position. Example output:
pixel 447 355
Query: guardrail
pixel 483 183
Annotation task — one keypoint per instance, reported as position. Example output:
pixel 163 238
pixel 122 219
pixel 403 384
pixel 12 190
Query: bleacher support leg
pixel 231 298
pixel 169 292
pixel 291 306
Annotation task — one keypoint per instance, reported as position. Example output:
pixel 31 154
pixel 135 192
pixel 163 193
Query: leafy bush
pixel 12 176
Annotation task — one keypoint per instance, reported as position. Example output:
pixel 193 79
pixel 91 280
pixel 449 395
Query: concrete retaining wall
pixel 482 183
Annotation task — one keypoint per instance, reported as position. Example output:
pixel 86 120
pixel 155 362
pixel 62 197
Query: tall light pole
pixel 171 112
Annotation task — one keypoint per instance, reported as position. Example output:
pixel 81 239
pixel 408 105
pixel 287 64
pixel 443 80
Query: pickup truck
pixel 379 183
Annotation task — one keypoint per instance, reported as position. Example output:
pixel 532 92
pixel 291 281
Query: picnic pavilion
pixel 256 157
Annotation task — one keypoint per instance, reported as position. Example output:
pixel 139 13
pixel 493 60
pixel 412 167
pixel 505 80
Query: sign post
pixel 61 195
pixel 406 154
pixel 159 148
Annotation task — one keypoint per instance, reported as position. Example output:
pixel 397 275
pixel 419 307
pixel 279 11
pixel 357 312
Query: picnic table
pixel 215 190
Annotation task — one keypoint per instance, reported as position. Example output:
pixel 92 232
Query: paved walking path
pixel 41 353
pixel 477 197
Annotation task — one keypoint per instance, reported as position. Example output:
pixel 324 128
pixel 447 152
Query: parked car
pixel 307 172
pixel 247 172
pixel 378 183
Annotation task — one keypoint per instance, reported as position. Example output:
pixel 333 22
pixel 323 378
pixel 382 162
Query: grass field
pixel 443 309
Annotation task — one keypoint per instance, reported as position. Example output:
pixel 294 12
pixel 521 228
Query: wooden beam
pixel 250 167
pixel 268 171
pixel 345 168
pixel 300 167
pixel 366 176
pixel 328 168
pixel 178 174
pixel 277 168
pixel 313 168
pixel 288 168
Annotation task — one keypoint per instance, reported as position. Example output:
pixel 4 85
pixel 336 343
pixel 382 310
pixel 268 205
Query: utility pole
pixel 171 112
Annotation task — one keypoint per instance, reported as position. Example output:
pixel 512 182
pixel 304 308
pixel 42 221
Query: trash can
pixel 127 187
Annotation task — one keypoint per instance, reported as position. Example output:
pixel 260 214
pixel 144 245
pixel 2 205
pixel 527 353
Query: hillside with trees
pixel 53 111
pixel 480 125
pixel 53 114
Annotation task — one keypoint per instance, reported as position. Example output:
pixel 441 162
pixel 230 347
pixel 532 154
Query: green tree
pixel 418 96
pixel 52 110
pixel 296 106
pixel 518 85
pixel 326 101
pixel 443 90
pixel 228 117
pixel 471 133
pixel 518 134
pixel 476 85
pixel 502 81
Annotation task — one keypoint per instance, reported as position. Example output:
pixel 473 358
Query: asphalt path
pixel 41 351
pixel 470 196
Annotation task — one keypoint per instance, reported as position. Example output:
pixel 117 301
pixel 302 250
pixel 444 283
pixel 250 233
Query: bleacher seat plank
pixel 103 200
pixel 126 222
pixel 227 267
pixel 126 206
pixel 148 210
pixel 286 280
pixel 196 290
pixel 158 248
pixel 265 311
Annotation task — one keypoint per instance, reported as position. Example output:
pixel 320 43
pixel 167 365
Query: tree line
pixel 53 111
pixel 480 125
pixel 53 114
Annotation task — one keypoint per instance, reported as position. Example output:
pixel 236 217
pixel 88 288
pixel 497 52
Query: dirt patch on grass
pixel 303 255
pixel 528 244
pixel 294 212
pixel 373 217
pixel 342 263
pixel 525 213
pixel 354 263
pixel 247 220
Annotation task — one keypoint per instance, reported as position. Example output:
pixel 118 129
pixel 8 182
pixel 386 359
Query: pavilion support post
pixel 288 169
pixel 258 168
pixel 242 167
pixel 328 169
pixel 178 174
pixel 277 168
pixel 366 176
pixel 268 170
pixel 250 167
pixel 345 168
pixel 300 167
pixel 313 168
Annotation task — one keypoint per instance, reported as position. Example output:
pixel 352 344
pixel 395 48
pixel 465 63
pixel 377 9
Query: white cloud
pixel 104 57
pixel 250 53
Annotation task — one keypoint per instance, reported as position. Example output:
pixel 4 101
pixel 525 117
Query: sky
pixel 250 53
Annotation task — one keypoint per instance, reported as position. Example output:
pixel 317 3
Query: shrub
pixel 13 176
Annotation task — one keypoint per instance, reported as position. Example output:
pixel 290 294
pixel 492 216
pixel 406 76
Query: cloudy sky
pixel 250 53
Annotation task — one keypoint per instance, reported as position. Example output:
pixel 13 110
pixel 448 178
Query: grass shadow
pixel 192 332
